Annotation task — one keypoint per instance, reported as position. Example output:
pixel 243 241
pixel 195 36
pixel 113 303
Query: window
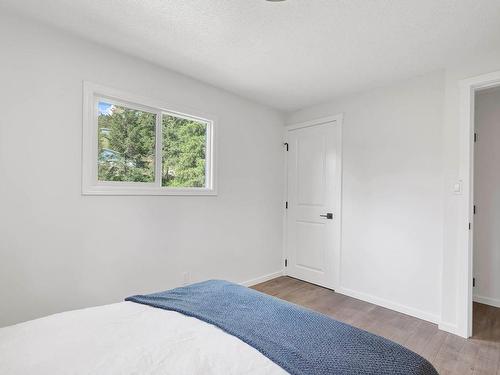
pixel 126 143
pixel 133 146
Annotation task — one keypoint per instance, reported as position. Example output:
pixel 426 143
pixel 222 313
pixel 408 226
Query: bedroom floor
pixel 450 354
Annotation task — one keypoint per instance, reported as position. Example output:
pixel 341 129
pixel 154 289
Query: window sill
pixel 114 190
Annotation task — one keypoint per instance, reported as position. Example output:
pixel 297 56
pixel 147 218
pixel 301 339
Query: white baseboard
pixel 390 305
pixel 444 326
pixel 262 279
pixel 487 301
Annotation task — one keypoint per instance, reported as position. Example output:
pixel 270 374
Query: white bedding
pixel 126 338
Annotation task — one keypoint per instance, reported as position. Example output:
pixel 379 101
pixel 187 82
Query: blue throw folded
pixel 301 341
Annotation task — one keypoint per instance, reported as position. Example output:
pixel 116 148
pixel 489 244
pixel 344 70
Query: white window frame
pixel 92 94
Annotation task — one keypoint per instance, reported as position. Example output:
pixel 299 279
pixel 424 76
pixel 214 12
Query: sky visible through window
pixel 105 108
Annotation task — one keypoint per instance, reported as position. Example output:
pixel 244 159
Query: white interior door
pixel 313 195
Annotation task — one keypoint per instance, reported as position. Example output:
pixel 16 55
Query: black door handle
pixel 329 215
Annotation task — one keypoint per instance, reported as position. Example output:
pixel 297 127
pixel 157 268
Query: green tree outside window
pixel 126 147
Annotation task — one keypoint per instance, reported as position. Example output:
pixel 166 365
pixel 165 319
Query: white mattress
pixel 126 338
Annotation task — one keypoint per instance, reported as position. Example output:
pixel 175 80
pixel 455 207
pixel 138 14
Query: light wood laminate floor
pixel 450 354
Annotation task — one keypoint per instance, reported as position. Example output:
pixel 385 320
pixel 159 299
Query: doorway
pixel 470 89
pixel 486 244
pixel 313 201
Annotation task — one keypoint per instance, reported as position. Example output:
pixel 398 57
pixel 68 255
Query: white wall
pixel 392 225
pixel 487 198
pixel 60 250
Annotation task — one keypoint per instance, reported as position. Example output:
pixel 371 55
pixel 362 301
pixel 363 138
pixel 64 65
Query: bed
pixel 214 327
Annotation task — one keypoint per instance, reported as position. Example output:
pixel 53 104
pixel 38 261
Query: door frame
pixel 339 119
pixel 468 89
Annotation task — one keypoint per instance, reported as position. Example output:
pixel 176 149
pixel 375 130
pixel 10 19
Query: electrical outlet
pixel 186 278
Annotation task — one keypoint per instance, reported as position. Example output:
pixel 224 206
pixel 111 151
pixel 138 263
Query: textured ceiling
pixel 288 54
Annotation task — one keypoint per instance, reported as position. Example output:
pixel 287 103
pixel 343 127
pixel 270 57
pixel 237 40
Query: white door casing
pixel 465 216
pixel 312 239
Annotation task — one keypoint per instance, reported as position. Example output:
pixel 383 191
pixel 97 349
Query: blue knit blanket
pixel 301 341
